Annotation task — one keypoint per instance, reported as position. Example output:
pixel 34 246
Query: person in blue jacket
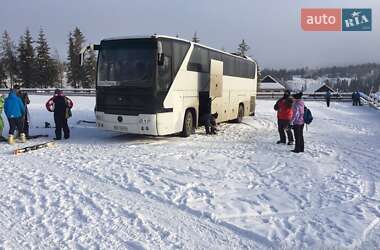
pixel 14 110
pixel 1 118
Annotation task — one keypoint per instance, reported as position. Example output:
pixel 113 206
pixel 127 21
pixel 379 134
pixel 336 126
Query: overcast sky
pixel 271 27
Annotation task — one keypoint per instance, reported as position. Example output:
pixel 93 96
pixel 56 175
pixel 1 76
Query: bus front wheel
pixel 188 125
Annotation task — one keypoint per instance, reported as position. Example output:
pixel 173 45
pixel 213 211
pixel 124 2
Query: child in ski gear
pixel 284 114
pixel 60 105
pixel 25 99
pixel 1 118
pixel 298 122
pixel 328 96
pixel 15 110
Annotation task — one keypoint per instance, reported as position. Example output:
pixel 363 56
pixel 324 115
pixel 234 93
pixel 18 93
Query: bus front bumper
pixel 141 124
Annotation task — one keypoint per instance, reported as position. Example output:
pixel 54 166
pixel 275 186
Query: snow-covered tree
pixel 195 38
pixel 258 76
pixel 8 57
pixel 243 48
pixel 26 60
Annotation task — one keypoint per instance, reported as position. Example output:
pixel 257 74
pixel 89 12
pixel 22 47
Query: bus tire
pixel 188 124
pixel 240 115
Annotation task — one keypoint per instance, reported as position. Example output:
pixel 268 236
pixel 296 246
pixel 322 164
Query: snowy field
pixel 236 190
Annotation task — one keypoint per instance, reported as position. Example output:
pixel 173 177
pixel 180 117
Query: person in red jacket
pixel 61 106
pixel 284 115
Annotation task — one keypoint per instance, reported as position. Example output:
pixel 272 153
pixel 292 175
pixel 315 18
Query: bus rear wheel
pixel 239 118
pixel 188 125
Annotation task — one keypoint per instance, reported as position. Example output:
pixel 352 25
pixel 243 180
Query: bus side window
pixel 165 73
pixel 252 72
pixel 199 60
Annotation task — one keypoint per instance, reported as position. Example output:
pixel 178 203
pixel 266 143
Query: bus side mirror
pixel 83 51
pixel 81 56
pixel 160 53
pixel 161 59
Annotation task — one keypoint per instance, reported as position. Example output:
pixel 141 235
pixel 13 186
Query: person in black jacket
pixel 328 97
pixel 61 106
pixel 210 124
pixel 209 119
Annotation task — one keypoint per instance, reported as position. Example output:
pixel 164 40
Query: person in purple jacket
pixel 298 122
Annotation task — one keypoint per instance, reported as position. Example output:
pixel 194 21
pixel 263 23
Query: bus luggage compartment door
pixel 216 78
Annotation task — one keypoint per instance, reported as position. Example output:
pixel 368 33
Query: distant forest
pixel 364 77
pixel 32 64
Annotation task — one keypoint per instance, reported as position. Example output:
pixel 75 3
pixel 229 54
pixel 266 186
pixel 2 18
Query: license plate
pixel 121 128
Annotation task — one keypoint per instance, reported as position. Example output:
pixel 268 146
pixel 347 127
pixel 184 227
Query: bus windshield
pixel 126 66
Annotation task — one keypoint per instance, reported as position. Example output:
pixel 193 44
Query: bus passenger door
pixel 216 78
pixel 216 88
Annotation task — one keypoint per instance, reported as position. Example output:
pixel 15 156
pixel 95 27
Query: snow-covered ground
pixel 236 190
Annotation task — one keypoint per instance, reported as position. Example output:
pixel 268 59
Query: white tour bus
pixel 160 85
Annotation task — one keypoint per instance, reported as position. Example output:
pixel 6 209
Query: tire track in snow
pixel 18 236
pixel 317 208
pixel 14 235
pixel 207 229
pixel 32 238
pixel 369 229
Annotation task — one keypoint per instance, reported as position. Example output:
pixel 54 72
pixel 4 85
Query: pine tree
pixel 2 75
pixel 195 38
pixel 46 66
pixel 60 68
pixel 53 80
pixel 89 70
pixel 258 76
pixel 8 56
pixel 42 60
pixel 76 74
pixel 26 60
pixel 243 48
pixel 71 61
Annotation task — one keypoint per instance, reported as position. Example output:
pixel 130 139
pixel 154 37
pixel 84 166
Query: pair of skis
pixel 32 147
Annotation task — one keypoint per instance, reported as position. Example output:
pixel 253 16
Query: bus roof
pixel 178 39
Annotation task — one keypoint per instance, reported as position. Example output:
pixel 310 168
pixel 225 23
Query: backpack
pixel 68 113
pixel 307 116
